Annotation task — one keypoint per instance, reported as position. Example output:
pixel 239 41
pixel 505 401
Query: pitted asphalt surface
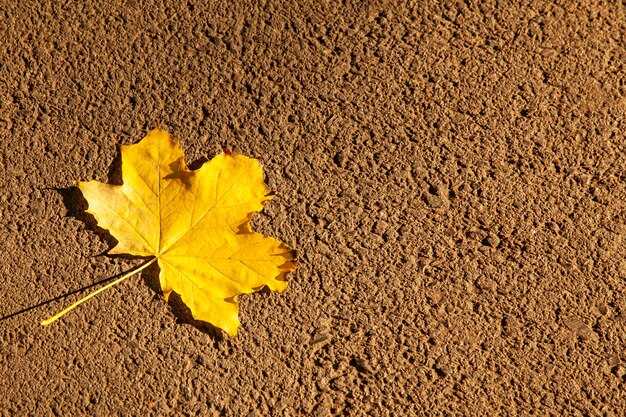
pixel 452 175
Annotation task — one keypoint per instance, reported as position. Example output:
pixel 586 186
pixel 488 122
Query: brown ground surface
pixel 452 175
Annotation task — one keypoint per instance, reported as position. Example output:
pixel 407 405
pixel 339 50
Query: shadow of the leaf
pixel 60 297
pixel 76 205
pixel 179 308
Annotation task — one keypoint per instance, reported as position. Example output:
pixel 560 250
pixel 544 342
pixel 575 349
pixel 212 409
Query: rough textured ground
pixel 452 174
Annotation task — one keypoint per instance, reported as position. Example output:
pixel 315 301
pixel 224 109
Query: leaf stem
pixel 82 300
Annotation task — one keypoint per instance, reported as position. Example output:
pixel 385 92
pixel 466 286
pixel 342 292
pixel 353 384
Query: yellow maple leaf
pixel 196 225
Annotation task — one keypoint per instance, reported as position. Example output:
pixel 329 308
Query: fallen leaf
pixel 196 225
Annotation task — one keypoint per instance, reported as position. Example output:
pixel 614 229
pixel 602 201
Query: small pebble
pixel 492 240
pixel 580 329
pixel 604 309
pixel 510 324
pixel 435 202
pixel 361 365
pixel 319 337
pixel 486 284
